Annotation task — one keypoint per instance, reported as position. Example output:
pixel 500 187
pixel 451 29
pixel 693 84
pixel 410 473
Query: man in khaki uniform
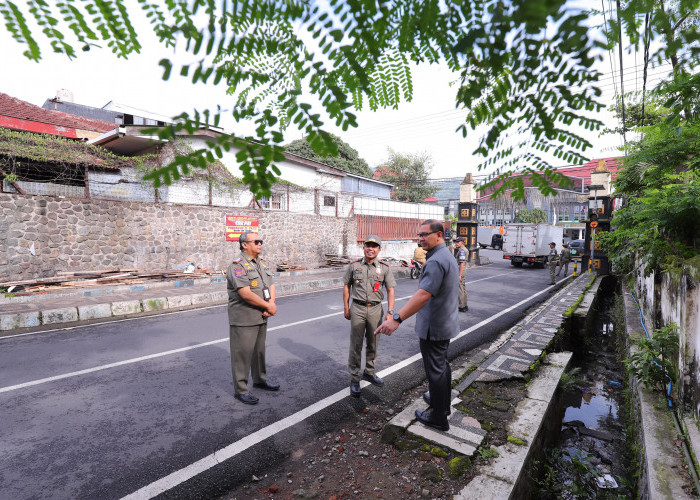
pixel 251 300
pixel 419 255
pixel 564 259
pixel 362 301
pixel 461 256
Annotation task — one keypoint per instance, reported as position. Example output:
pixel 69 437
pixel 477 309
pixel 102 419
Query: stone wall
pixel 41 235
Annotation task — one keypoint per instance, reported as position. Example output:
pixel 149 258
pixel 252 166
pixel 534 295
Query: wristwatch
pixel 397 318
pixel 390 311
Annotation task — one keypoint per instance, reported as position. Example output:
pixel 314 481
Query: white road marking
pixel 173 351
pixel 180 476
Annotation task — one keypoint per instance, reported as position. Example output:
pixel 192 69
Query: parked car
pixel 577 248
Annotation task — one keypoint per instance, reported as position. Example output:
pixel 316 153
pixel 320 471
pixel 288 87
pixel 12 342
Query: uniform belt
pixel 366 304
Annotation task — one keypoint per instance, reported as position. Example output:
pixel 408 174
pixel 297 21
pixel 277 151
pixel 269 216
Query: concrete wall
pixel 667 299
pixel 77 234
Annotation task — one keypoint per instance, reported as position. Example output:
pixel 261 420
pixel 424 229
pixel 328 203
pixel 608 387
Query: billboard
pixel 238 224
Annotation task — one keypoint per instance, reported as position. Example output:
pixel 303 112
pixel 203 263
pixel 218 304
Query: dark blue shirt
pixel 440 278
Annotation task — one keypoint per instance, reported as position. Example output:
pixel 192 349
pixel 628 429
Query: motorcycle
pixel 415 269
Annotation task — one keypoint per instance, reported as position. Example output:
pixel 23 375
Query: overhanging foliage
pixel 526 66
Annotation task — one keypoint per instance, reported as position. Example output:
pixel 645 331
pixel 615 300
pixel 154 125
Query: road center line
pixel 173 351
pixel 186 473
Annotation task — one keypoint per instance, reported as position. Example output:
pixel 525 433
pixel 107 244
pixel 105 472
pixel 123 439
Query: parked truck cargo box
pixel 529 243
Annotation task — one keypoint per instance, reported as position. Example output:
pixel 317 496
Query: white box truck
pixel 529 243
pixel 489 237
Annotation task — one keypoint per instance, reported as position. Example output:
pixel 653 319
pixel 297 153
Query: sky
pixel 427 124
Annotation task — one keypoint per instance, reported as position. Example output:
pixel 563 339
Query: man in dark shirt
pixel 436 303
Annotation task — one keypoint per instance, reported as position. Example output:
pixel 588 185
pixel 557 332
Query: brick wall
pixel 74 234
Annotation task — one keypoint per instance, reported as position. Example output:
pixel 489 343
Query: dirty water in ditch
pixel 591 458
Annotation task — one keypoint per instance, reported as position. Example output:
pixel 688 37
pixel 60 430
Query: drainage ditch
pixel 592 457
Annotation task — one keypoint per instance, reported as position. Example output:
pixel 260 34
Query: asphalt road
pixel 106 410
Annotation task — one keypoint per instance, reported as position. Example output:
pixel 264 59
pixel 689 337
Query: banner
pixel 238 224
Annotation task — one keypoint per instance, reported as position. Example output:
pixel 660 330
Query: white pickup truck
pixel 529 243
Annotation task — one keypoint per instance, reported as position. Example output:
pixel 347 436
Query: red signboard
pixel 238 224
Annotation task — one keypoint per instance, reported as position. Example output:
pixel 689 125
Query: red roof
pixel 431 199
pixel 20 115
pixel 585 171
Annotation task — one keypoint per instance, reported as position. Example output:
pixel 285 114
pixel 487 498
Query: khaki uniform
pixel 248 327
pixel 552 263
pixel 564 259
pixel 419 255
pixel 366 311
pixel 461 256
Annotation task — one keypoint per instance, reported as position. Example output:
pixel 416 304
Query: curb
pixel 160 301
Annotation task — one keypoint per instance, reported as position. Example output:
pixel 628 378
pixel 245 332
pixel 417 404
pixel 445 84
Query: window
pixel 274 202
pixel 329 201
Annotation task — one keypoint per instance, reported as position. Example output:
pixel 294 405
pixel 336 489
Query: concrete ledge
pixel 94 311
pixel 200 298
pixel 155 304
pixel 63 315
pixel 502 477
pixel 219 297
pixel 9 321
pixel 126 307
pixel 179 301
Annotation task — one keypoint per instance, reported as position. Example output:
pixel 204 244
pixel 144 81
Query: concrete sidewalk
pixel 26 312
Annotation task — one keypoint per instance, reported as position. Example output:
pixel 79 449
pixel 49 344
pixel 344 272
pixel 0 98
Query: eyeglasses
pixel 425 235
pixel 255 242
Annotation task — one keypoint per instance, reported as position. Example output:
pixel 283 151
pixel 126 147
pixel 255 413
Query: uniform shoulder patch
pixel 236 261
pixel 384 262
pixel 354 261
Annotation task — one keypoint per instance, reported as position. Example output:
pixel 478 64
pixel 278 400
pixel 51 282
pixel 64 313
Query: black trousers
pixel 438 373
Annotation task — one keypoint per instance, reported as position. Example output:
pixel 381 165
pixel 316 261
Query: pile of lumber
pixel 337 260
pixel 64 279
pixel 283 267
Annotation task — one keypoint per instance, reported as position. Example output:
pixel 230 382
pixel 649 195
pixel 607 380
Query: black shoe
pixel 267 386
pixel 247 398
pixel 355 390
pixel 464 309
pixel 426 417
pixel 373 378
pixel 426 398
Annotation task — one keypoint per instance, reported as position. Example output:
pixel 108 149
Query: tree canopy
pixel 409 173
pixel 348 158
pixel 526 67
pixel 660 222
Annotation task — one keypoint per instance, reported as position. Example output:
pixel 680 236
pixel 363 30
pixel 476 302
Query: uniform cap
pixel 458 238
pixel 373 238
pixel 552 243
